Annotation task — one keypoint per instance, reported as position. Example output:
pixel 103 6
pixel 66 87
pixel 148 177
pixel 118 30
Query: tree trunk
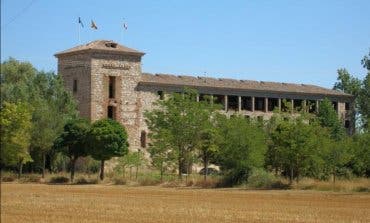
pixel 291 175
pixel 124 171
pixel 102 170
pixel 334 176
pixel 73 165
pixel 297 172
pixel 180 168
pixel 130 172
pixel 206 168
pixel 137 170
pixel 43 165
pixel 20 166
pixel 161 172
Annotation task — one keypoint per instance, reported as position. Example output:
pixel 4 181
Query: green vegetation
pixel 41 129
pixel 73 141
pixel 107 139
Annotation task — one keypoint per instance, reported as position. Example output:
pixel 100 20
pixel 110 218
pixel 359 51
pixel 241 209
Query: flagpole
pixel 79 33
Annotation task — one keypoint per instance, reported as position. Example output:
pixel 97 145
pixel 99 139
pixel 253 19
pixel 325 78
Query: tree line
pixel 39 123
pixel 40 126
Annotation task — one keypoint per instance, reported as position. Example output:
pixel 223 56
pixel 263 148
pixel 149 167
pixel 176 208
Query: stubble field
pixel 105 203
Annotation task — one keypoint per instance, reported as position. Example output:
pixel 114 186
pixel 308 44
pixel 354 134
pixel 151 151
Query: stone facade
pixel 107 81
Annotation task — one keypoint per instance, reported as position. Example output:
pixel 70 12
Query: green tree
pixel 297 146
pixel 15 131
pixel 73 141
pixel 328 117
pixel 181 117
pixel 361 154
pixel 107 139
pixel 242 147
pixel 364 102
pixel 337 155
pixel 16 81
pixel 161 155
pixel 53 107
pixel 347 83
pixel 207 146
pixel 44 94
pixel 132 160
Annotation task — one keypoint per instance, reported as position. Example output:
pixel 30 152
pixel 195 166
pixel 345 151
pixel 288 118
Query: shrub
pixel 149 181
pixel 8 179
pixel 31 178
pixel 59 180
pixel 210 183
pixel 119 181
pixel 83 180
pixel 264 180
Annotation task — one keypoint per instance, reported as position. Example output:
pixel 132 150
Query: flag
pixel 93 25
pixel 80 22
pixel 125 26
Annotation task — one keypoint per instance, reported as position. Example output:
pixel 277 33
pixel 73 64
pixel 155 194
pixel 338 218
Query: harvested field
pixel 104 203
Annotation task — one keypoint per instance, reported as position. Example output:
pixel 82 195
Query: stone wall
pixel 127 70
pixel 78 67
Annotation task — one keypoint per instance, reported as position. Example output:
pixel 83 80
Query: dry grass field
pixel 105 203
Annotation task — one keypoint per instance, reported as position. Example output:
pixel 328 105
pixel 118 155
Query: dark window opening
pixel 346 105
pixel 273 103
pixel 247 103
pixel 233 102
pixel 347 124
pixel 111 45
pixel 74 85
pixel 204 97
pixel 259 104
pixel 298 105
pixel 161 95
pixel 311 106
pixel 219 99
pixel 143 139
pixel 335 105
pixel 111 112
pixel 112 86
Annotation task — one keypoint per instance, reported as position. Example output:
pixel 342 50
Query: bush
pixel 59 180
pixel 119 181
pixel 210 183
pixel 83 180
pixel 149 181
pixel 8 179
pixel 31 178
pixel 265 180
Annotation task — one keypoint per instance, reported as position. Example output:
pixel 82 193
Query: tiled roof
pixel 101 45
pixel 199 82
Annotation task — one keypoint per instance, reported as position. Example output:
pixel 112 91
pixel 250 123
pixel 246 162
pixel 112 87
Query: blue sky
pixel 284 41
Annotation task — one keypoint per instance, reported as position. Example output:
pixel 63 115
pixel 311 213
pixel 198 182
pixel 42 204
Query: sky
pixel 283 41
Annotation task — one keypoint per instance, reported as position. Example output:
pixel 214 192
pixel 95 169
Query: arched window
pixel 143 139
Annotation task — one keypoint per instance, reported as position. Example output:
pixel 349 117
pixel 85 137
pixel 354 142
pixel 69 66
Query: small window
pixel 111 112
pixel 112 85
pixel 143 139
pixel 161 95
pixel 335 105
pixel 75 86
pixel 347 124
pixel 346 106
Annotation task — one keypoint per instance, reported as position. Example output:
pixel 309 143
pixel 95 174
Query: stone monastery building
pixel 107 81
